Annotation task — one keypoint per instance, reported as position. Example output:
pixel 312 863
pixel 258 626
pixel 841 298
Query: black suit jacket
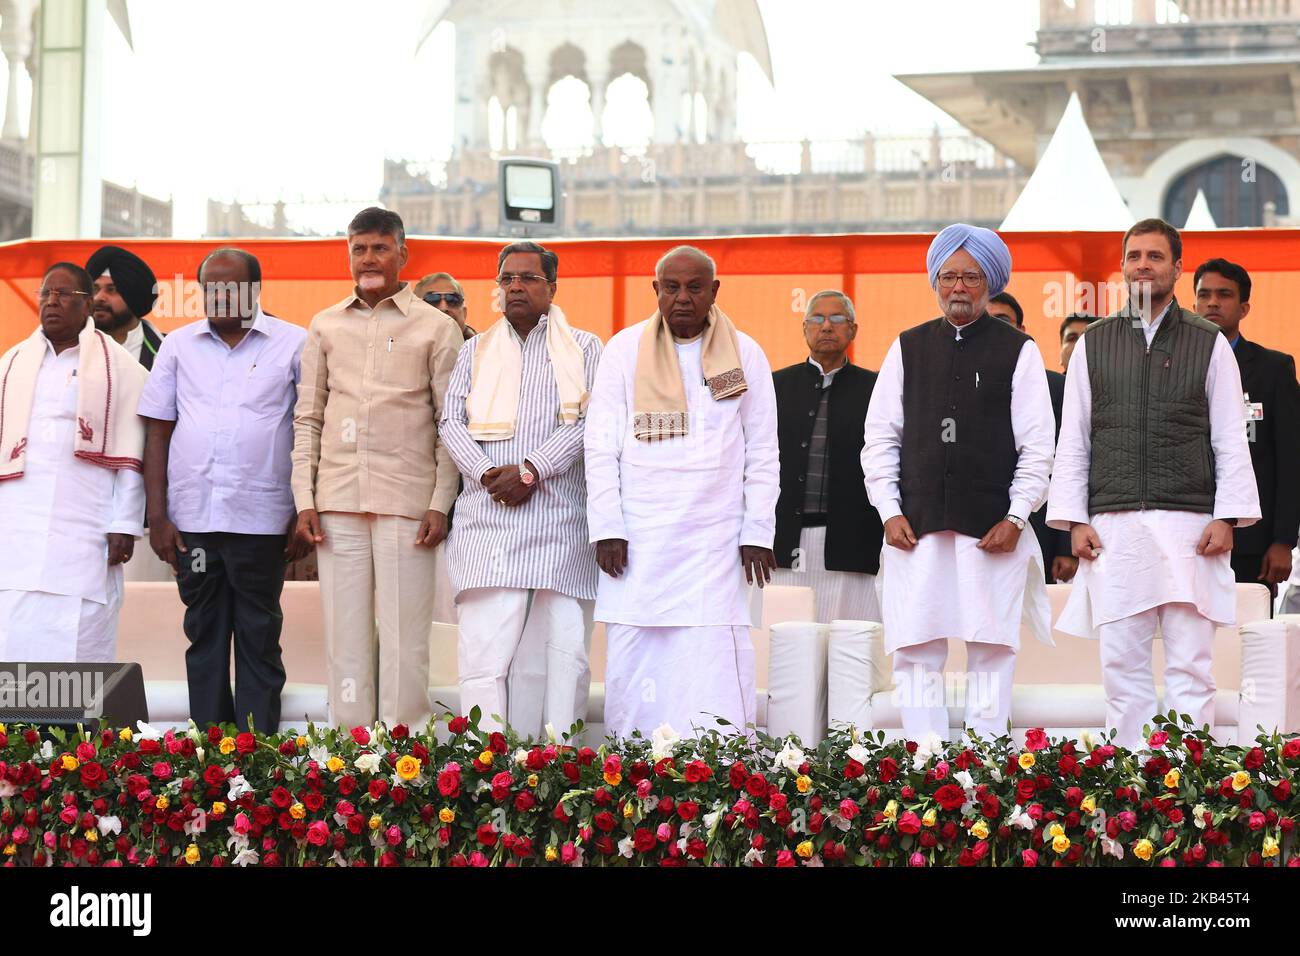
pixel 152 339
pixel 853 530
pixel 1053 543
pixel 1268 377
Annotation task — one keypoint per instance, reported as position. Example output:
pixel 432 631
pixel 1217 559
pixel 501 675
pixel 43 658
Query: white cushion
pixel 797 681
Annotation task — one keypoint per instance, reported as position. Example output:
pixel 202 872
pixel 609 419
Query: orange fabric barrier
pixel 605 284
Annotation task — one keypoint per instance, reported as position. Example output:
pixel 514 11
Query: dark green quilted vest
pixel 1150 417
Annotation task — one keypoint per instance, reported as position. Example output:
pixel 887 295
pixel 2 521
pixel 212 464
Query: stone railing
pixel 1089 13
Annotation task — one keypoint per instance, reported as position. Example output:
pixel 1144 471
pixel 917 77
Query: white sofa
pixel 1256 671
pixel 150 632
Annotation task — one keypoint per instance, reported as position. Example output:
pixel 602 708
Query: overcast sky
pixel 299 100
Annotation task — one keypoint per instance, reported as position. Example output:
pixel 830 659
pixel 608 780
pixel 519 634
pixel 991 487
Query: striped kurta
pixel 543 542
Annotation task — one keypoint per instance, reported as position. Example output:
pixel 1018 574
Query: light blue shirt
pixel 229 463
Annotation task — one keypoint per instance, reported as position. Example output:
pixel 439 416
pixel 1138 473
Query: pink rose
pixel 318 833
pixel 1158 739
pixel 568 853
pixel 242 823
pixel 1035 738
pixel 916 859
pixel 1029 858
pixel 393 835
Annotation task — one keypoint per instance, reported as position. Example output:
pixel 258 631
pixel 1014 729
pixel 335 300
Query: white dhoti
pixel 947 587
pixel 685 677
pixel 522 658
pixel 841 595
pixel 39 626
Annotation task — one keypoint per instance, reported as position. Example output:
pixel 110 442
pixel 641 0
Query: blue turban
pixel 985 245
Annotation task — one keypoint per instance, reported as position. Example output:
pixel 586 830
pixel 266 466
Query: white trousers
pixel 38 626
pixel 841 595
pixel 922 692
pixel 371 567
pixel 685 677
pixel 522 658
pixel 1126 669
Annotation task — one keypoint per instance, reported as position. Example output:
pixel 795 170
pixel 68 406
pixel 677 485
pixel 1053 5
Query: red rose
pixel 214 776
pixel 784 858
pixel 696 848
pixel 1291 749
pixel 688 810
pixel 245 743
pixel 497 743
pixel 698 771
pixel 524 801
pixel 361 735
pixel 487 834
pixel 162 770
pixel 1025 790
pixel 888 769
pixel 1036 739
pixel 571 771
pixel 756 785
pixel 991 807
pixel 318 833
pixel 853 770
pixel 214 735
pixel 585 756
pixel 1254 759
pixel 909 822
pixel 378 787
pixel 458 725
pixel 92 775
pixel 400 732
pixel 604 820
pixel 1282 791
pixel 950 796
pixel 643 841
pixel 738 775
pixel 313 801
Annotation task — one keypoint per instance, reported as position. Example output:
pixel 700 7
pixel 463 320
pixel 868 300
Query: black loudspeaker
pixel 67 693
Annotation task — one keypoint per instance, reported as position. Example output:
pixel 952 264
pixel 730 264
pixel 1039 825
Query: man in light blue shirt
pixel 219 410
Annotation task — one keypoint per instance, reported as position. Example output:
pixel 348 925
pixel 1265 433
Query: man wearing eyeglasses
pixel 71 493
pixel 442 291
pixel 521 565
pixel 957 455
pixel 371 482
pixel 828 536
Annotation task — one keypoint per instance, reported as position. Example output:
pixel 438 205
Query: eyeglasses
pixel 453 299
pixel 971 280
pixel 60 295
pixel 836 320
pixel 529 279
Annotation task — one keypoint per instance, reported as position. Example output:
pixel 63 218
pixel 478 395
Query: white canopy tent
pixel 1199 216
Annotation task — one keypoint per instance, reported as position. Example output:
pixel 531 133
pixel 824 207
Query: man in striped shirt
pixel 520 562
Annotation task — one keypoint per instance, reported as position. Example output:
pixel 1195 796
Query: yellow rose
pixel 628 810
pixel 3 729
pixel 227 745
pixel 297 811
pixel 192 854
pixel 552 854
pixel 802 783
pixel 1240 780
pixel 408 767
pixel 613 779
pixel 804 849
pixel 301 741
pixel 69 762
pixel 532 780
pixel 162 803
pixel 1089 805
pixel 218 808
pixel 891 810
pixel 10 849
pixel 125 734
pixel 485 757
pixel 375 822
pixel 1142 849
pixel 1171 779
pixel 1027 760
pixel 446 815
pixel 92 835
pixel 980 830
pixel 335 764
pixel 1060 843
pixel 1270 847
pixel 1055 830
pixel 931 817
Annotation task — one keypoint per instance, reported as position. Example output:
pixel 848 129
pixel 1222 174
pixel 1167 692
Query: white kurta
pixel 946 586
pixel 1148 558
pixel 57 516
pixel 685 505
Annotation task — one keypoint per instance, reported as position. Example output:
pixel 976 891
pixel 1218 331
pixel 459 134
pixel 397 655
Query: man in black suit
pixel 828 536
pixel 1059 564
pixel 1271 407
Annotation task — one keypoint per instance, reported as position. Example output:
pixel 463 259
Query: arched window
pixel 1236 189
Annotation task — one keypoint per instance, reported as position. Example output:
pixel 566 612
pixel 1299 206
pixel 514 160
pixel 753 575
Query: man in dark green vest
pixel 1152 474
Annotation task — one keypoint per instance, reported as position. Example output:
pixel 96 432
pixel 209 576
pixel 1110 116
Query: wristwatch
pixel 1016 521
pixel 526 476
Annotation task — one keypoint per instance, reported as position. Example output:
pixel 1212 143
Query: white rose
pixel 790 757
pixel 109 825
pixel 367 763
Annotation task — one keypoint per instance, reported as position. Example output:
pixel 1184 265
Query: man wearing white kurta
pixel 682 482
pixel 1152 472
pixel 518 555
pixel 957 455
pixel 71 491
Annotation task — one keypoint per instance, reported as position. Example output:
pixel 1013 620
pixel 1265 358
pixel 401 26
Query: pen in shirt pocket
pixel 390 343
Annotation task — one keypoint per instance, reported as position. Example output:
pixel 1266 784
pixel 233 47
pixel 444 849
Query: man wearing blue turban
pixel 957 454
